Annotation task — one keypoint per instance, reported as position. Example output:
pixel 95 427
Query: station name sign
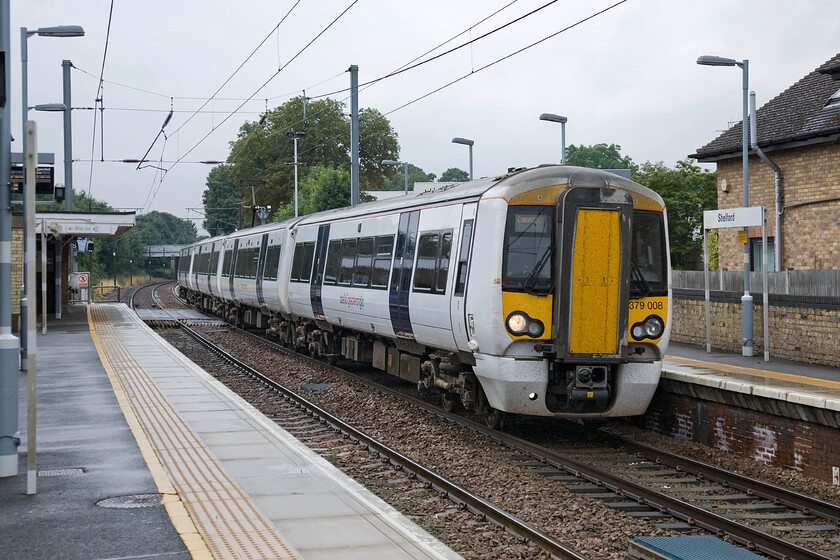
pixel 732 217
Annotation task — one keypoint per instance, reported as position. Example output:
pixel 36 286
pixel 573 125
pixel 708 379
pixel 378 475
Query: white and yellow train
pixel 543 292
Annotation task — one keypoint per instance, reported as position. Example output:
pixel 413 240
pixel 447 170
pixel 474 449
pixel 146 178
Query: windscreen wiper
pixel 640 278
pixel 532 278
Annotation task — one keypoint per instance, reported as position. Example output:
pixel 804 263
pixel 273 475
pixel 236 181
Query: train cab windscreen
pixel 648 258
pixel 528 250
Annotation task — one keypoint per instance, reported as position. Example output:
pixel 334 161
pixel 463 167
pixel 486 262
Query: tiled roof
pixel 804 110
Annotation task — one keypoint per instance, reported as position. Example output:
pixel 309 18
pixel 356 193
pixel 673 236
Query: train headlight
pixel 652 327
pixel 517 323
pixel 520 324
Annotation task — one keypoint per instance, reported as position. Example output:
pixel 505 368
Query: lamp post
pixel 60 195
pixel 405 169
pixel 469 143
pixel 57 31
pixel 551 117
pixel 747 341
pixel 294 136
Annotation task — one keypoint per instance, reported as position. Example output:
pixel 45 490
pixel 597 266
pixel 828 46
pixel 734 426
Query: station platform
pixel 797 383
pixel 144 455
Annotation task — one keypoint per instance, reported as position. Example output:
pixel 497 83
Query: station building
pixel 799 130
pixel 63 230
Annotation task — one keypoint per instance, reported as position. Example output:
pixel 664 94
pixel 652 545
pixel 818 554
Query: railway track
pixel 662 486
pixel 670 490
pixel 323 421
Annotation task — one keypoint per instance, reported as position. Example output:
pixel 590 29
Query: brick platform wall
pixel 801 329
pixel 808 447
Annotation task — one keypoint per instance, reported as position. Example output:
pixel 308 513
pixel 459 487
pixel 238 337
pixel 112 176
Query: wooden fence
pixel 819 283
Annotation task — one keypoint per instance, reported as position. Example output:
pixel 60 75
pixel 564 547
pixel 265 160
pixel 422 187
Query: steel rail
pixel 778 494
pixel 154 286
pixel 464 498
pixel 743 534
pixel 717 524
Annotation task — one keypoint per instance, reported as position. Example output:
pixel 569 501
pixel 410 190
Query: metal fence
pixel 821 283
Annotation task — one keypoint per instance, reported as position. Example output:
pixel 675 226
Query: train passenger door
pixel 401 273
pixel 461 254
pixel 261 268
pixel 317 280
pixel 233 269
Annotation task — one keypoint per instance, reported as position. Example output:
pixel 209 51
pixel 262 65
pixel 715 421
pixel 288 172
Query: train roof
pixel 505 186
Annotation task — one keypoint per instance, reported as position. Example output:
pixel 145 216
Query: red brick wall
pixel 810 448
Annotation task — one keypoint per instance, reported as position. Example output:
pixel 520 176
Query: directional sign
pixel 732 217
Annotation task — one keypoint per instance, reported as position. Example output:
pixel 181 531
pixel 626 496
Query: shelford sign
pixel 732 217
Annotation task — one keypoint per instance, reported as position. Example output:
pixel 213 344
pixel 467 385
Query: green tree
pixel 263 155
pixel 396 182
pixel 324 188
pixel 453 174
pixel 687 191
pixel 599 156
pixel 222 202
pixel 84 203
pixel 126 254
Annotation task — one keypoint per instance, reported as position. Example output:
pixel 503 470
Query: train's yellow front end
pixel 585 300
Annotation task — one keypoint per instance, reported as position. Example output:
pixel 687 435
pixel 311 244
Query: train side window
pixel 226 266
pixel 302 262
pixel 272 262
pixel 297 263
pixel 463 258
pixel 242 261
pixel 308 256
pixel 427 253
pixel 252 262
pixel 348 261
pixel 443 262
pixel 241 264
pixel 382 261
pixel 364 260
pixel 214 262
pixel 333 262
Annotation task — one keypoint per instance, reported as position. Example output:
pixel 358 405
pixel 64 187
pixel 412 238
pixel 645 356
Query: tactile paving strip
pixel 225 517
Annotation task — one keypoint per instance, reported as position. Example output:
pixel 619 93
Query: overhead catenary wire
pixel 367 85
pixel 486 66
pixel 197 98
pixel 445 53
pixel 99 97
pixel 238 68
pixel 260 88
pixel 507 56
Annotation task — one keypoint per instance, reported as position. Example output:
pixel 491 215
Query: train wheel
pixel 493 418
pixel 449 401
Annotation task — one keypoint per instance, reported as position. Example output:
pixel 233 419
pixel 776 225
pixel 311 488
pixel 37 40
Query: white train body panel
pixel 361 309
pixel 551 286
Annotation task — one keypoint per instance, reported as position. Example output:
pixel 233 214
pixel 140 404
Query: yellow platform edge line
pixel 175 508
pixel 714 366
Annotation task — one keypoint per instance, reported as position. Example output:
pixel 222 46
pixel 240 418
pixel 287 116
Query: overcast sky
pixel 627 76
